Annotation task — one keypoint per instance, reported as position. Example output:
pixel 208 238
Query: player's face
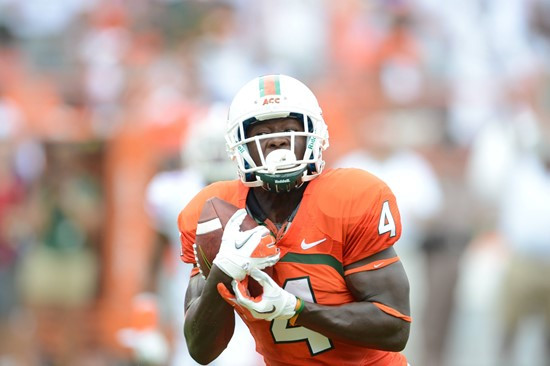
pixel 284 142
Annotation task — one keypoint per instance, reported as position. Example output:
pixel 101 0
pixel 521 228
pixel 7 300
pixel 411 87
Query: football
pixel 214 216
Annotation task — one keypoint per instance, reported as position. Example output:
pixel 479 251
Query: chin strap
pixel 281 187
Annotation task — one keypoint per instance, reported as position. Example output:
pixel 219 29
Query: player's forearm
pixel 209 322
pixel 359 323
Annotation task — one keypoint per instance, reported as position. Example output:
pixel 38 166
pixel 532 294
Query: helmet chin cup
pixel 281 182
pixel 280 159
pixel 282 172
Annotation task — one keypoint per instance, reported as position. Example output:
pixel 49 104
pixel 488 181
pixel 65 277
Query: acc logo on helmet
pixel 272 100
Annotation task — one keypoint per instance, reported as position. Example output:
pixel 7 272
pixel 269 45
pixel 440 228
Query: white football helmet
pixel 268 97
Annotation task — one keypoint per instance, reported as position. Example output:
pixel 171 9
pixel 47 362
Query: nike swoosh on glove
pixel 273 303
pixel 242 251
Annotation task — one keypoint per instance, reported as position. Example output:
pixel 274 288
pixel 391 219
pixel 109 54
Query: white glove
pixel 241 251
pixel 273 303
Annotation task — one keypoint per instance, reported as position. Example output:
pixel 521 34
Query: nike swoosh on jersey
pixel 306 246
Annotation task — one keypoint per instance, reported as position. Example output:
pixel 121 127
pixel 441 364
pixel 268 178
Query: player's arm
pixel 209 320
pixel 380 317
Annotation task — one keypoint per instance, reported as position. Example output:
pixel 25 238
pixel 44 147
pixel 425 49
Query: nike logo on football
pixel 306 246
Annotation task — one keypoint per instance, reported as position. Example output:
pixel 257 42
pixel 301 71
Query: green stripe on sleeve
pixel 314 259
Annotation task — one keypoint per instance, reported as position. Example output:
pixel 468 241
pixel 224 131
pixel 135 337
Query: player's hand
pixel 232 300
pixel 273 303
pixel 242 251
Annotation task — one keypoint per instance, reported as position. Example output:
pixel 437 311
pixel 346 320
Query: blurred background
pixel 112 111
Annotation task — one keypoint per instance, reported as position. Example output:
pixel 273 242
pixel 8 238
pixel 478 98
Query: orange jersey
pixel 345 215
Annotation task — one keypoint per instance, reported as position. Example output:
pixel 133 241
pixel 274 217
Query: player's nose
pixel 281 142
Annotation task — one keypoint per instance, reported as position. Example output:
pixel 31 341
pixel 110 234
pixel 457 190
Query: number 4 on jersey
pixel 386 223
pixel 283 332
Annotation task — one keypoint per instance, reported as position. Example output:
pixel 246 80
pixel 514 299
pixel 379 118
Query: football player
pixel 338 293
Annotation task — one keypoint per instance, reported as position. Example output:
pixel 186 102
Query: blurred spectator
pixel 17 178
pixel 11 123
pixel 523 222
pixel 222 58
pixel 299 46
pixel 399 62
pixel 488 48
pixel 494 175
pixel 443 248
pixel 101 51
pixel 43 19
pixel 12 199
pixel 59 274
pixel 144 336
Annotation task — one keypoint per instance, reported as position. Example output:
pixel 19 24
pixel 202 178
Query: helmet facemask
pixel 280 170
